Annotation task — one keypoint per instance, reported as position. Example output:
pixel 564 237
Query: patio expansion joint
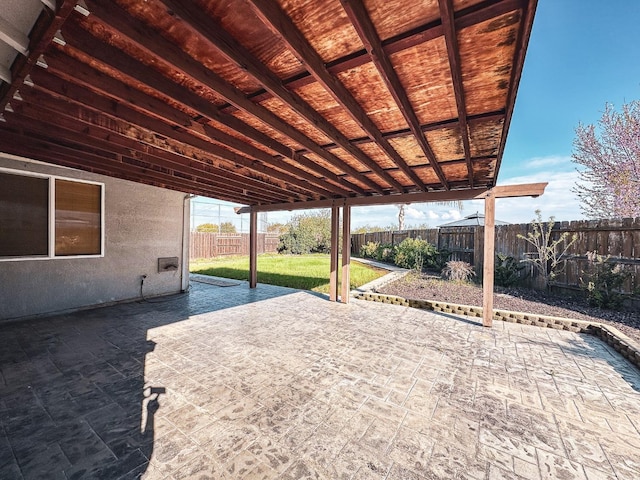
pixel 624 345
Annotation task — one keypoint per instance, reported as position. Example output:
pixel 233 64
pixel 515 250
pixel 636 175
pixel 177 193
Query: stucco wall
pixel 142 223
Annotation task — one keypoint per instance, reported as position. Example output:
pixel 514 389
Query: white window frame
pixel 51 254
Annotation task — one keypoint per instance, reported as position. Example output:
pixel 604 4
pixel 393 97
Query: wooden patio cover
pixel 274 103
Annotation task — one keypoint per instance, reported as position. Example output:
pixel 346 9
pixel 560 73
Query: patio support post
pixel 253 248
pixel 335 234
pixel 346 254
pixel 489 254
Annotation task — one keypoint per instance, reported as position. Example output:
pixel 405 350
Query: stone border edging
pixel 627 347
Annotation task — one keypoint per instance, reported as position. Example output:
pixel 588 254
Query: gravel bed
pixel 428 287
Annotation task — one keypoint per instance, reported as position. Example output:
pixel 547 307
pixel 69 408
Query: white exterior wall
pixel 142 223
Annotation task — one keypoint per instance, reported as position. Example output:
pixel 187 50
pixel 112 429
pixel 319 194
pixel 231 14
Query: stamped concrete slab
pixel 277 383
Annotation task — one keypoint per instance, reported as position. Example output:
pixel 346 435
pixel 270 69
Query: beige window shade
pixel 78 226
pixel 24 216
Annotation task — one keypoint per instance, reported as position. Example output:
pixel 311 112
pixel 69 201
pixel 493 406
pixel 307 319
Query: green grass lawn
pixel 306 272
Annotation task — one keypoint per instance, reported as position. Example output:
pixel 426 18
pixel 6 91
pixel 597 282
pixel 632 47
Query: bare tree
pixel 548 254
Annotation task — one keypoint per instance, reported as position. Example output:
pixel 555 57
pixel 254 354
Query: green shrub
pixel 385 252
pixel 458 271
pixel 602 282
pixel 414 253
pixel 507 270
pixel 369 249
pixel 439 260
pixel 307 233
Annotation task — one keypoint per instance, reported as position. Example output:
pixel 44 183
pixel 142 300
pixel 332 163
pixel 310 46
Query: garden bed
pixel 430 287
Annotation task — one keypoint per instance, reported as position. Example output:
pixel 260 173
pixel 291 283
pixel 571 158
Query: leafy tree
pixel 369 229
pixel 277 228
pixel 228 227
pixel 548 254
pixel 611 156
pixel 207 227
pixel 225 227
pixel 308 233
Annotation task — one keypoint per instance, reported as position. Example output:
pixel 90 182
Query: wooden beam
pixel 360 19
pixel 253 249
pixel 523 190
pixel 77 73
pixel 127 168
pixel 42 33
pixel 478 193
pixel 346 254
pixel 418 197
pixel 453 52
pixel 243 58
pixel 473 15
pixel 452 123
pixel 333 253
pixel 489 260
pixel 119 111
pixel 147 76
pixel 165 51
pixel 273 16
pixel 203 175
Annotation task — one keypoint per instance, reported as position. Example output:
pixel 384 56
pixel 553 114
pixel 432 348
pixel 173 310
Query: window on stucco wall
pixel 45 216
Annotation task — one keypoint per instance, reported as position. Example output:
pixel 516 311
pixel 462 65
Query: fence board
pixel 211 245
pixel 618 238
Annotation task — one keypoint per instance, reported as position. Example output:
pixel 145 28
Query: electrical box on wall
pixel 168 264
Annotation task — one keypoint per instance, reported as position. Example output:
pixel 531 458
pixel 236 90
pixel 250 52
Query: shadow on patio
pixel 229 383
pixel 74 398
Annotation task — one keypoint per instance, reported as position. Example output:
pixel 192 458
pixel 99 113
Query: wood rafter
pixel 451 39
pixel 126 168
pixel 168 89
pixel 271 14
pixel 360 18
pixel 208 98
pixel 45 29
pixel 478 13
pixel 524 190
pixel 166 51
pixel 243 58
pixel 83 97
pixel 67 129
pixel 453 123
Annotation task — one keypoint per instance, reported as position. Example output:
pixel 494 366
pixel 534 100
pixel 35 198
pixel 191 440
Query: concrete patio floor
pixel 277 383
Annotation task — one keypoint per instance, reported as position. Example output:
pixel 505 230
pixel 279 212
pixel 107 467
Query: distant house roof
pixel 474 220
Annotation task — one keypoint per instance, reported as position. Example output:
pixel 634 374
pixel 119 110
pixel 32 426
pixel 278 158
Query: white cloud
pixel 555 161
pixel 558 199
pixel 414 213
pixel 452 215
pixel 433 215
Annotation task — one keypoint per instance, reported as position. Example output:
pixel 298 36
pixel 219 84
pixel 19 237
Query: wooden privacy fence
pixel 458 240
pixel 210 245
pixel 618 238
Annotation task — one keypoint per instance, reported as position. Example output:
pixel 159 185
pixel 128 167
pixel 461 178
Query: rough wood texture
pixel 273 102
pixel 489 260
pixel 619 238
pixel 333 253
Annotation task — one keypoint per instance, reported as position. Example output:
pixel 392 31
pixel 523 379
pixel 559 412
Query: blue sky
pixel 582 54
